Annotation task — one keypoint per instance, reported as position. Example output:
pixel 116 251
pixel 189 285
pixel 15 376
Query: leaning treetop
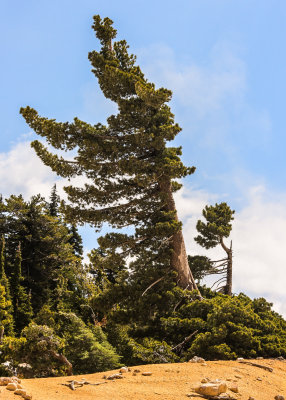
pixel 131 172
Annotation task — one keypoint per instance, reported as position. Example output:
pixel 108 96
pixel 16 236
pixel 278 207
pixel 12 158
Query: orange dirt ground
pixel 167 382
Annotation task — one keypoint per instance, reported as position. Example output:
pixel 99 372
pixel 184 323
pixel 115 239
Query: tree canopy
pixel 130 171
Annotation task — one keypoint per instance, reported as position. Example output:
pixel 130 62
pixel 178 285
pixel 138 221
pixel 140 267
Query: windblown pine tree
pixel 131 172
pixel 211 233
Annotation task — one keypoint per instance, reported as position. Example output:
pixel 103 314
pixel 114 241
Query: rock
pixel 251 398
pixel 259 379
pixel 137 371
pixel 28 397
pixel 20 392
pixel 233 388
pixel 123 370
pixel 196 359
pixel 114 376
pixel 205 380
pixel 146 373
pixel 211 389
pixel 259 358
pixel 280 358
pixel 4 381
pixel 279 397
pixel 19 386
pixel 238 376
pixel 11 386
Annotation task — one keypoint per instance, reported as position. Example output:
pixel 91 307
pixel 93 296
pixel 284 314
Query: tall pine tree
pixel 132 173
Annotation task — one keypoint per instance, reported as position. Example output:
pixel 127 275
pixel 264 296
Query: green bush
pixel 85 347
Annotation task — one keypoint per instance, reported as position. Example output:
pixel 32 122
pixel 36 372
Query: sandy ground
pixel 167 382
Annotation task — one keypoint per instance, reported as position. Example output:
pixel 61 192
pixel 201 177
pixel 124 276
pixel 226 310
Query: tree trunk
pixel 179 259
pixel 64 360
pixel 228 286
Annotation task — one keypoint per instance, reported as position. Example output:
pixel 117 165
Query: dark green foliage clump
pixel 229 327
pixel 223 327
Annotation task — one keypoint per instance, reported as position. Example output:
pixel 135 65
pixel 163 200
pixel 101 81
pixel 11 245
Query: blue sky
pixel 225 63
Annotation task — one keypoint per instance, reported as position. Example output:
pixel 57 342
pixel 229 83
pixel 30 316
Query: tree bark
pixel 228 286
pixel 179 258
pixel 64 360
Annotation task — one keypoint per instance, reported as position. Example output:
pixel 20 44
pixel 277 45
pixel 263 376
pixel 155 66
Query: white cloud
pixel 258 235
pixel 22 172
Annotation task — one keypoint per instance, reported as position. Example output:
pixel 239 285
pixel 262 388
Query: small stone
pixel 20 392
pixel 204 380
pixel 280 358
pixel 279 397
pixel 251 398
pixel 211 389
pixel 259 379
pixel 28 396
pixel 123 370
pixel 238 376
pixel 4 381
pixel 19 386
pixel 197 359
pixel 233 388
pixel 259 358
pixel 137 370
pixel 114 376
pixel 239 359
pixel 11 386
pixel 146 373
pixel 134 374
pixel 228 379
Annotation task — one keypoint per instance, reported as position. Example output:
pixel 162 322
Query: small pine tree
pixel 3 277
pixel 6 318
pixel 54 202
pixel 5 283
pixel 217 227
pixel 23 311
pixel 75 240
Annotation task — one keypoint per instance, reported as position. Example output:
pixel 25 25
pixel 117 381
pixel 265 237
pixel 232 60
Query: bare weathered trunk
pixel 228 286
pixel 179 258
pixel 63 360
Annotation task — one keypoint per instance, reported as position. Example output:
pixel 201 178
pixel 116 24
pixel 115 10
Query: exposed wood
pixel 180 346
pixel 64 360
pixel 256 365
pixel 152 284
pixel 73 385
pixel 179 259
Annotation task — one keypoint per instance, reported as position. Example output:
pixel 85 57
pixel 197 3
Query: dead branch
pixel 73 385
pixel 256 365
pixel 180 346
pixel 152 284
